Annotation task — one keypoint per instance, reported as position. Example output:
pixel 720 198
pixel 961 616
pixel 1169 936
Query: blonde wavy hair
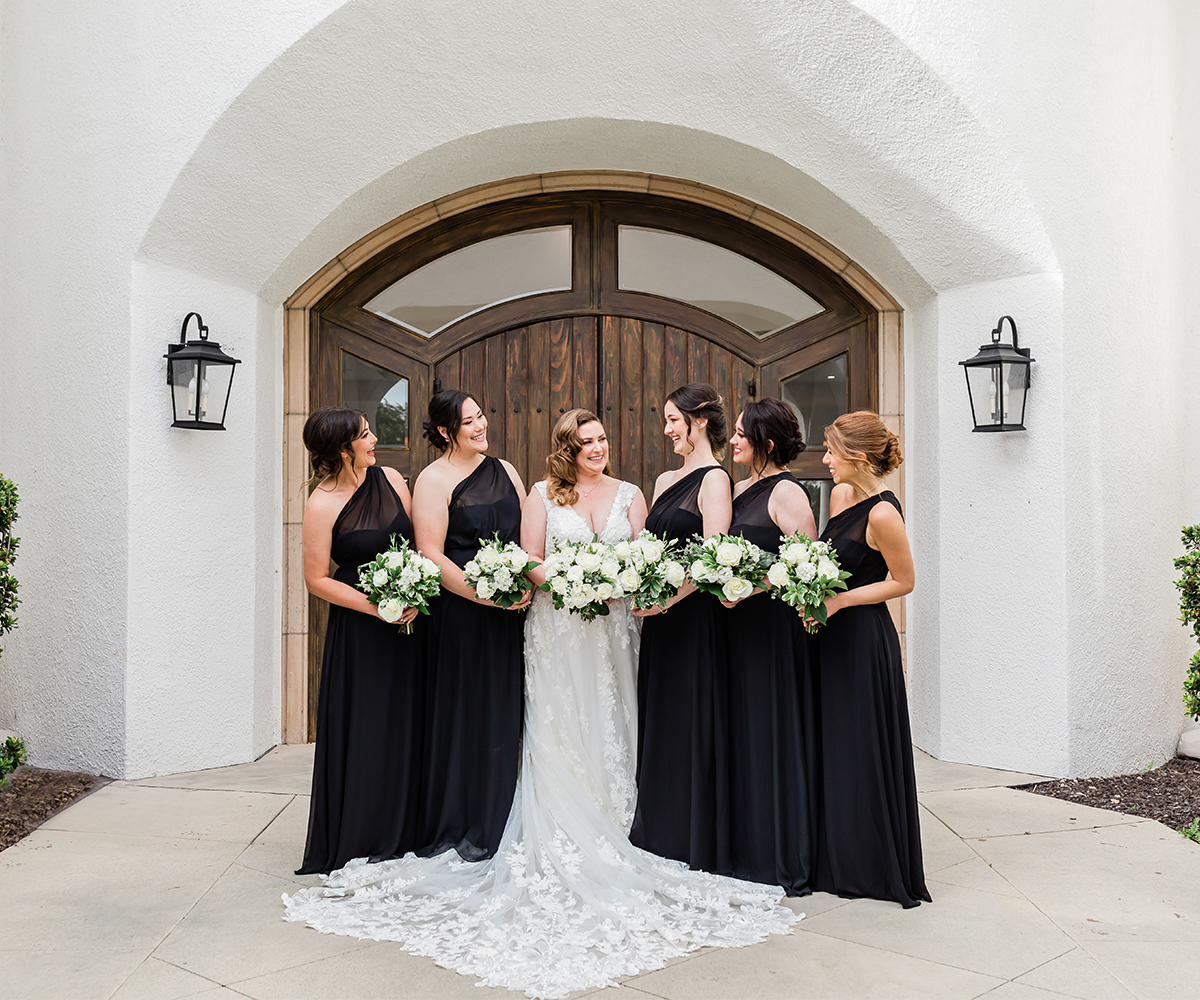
pixel 565 445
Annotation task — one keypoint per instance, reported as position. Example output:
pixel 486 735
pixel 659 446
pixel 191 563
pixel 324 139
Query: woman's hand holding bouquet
pixel 583 577
pixel 805 576
pixel 399 579
pixel 728 566
pixel 650 575
pixel 497 573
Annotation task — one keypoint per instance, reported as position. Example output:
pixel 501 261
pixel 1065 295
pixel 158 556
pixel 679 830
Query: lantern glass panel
pixel 184 377
pixel 380 394
pixel 997 393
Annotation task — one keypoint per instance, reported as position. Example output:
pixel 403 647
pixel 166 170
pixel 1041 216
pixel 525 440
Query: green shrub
pixel 8 553
pixel 1192 830
pixel 12 756
pixel 1189 607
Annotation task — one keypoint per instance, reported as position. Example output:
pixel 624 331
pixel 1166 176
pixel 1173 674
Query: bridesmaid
pixel 869 839
pixel 683 783
pixel 771 730
pixel 366 775
pixel 475 659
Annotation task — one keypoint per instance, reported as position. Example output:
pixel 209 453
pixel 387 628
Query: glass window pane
pixel 478 276
pixel 819 492
pixel 382 395
pixel 819 395
pixel 711 277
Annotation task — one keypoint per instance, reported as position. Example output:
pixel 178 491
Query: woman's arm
pixel 885 532
pixel 637 514
pixel 431 519
pixel 790 510
pixel 401 487
pixel 320 513
pixel 533 534
pixel 716 502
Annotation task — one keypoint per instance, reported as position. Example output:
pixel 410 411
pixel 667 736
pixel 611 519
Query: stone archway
pixel 298 341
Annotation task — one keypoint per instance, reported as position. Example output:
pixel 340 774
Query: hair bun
pixel 891 456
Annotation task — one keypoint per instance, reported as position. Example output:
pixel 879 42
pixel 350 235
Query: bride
pixel 567 903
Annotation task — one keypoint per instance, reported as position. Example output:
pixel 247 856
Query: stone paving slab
pixel 169 888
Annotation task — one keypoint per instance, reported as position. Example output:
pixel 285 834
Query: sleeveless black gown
pixel 367 771
pixel 682 765
pixel 475 684
pixel 772 732
pixel 869 841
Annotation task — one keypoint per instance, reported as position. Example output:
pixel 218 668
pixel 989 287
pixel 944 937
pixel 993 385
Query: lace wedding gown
pixel 567 903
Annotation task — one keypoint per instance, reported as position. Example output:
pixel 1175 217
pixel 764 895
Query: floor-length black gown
pixel 771 721
pixel 869 841
pixel 367 771
pixel 682 765
pixel 475 686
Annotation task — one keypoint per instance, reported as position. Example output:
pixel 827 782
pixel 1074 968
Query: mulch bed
pixel 1169 794
pixel 34 794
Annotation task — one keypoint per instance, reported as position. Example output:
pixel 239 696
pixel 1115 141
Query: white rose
pixel 653 551
pixel 805 572
pixel 697 571
pixel 794 553
pixel 502 578
pixel 778 575
pixel 674 573
pixel 623 550
pixel 560 585
pixel 379 577
pixel 826 569
pixel 484 589
pixel 630 580
pixel 587 594
pixel 590 561
pixel 472 568
pixel 604 591
pixel 517 559
pixel 488 558
pixel 430 568
pixel 610 568
pixel 574 574
pixel 394 559
pixel 390 610
pixel 729 553
pixel 736 588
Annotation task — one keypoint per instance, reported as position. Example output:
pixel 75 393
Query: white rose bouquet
pixel 650 574
pixel 400 578
pixel 497 573
pixel 805 575
pixel 582 577
pixel 727 565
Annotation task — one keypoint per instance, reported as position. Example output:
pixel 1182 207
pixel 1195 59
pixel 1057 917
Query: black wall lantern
pixel 997 380
pixel 200 375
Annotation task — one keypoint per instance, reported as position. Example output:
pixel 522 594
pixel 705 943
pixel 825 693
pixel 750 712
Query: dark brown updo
pixel 771 429
pixel 328 435
pixel 445 411
pixel 862 437
pixel 701 401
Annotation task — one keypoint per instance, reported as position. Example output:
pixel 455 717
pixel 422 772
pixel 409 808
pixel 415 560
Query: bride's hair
pixel 565 445
pixel 862 437
pixel 328 434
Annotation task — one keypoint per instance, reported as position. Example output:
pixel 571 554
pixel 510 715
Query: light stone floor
pixel 169 887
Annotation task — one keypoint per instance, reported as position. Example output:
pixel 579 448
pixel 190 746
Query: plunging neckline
pixel 607 517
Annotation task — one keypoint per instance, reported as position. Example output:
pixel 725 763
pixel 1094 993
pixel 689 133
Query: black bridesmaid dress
pixel 475 685
pixel 869 841
pixel 772 734
pixel 367 771
pixel 682 775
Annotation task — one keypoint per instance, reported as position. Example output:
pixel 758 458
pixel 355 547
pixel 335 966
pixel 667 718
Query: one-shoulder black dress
pixel 869 841
pixel 475 685
pixel 683 753
pixel 772 734
pixel 367 771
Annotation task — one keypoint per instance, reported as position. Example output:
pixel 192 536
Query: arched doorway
pixel 605 299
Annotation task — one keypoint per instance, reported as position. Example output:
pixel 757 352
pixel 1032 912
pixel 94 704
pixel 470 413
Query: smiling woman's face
pixel 593 455
pixel 472 433
pixel 363 446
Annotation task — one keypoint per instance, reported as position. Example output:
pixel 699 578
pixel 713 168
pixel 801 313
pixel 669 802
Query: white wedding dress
pixel 567 903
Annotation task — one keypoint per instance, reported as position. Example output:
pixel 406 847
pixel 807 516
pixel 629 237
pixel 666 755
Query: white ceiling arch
pixel 813 109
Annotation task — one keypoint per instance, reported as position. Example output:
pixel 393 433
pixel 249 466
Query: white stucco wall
pixel 977 159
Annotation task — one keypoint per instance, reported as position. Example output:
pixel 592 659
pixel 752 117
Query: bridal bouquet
pixel 582 577
pixel 649 575
pixel 806 574
pixel 727 565
pixel 400 578
pixel 498 572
